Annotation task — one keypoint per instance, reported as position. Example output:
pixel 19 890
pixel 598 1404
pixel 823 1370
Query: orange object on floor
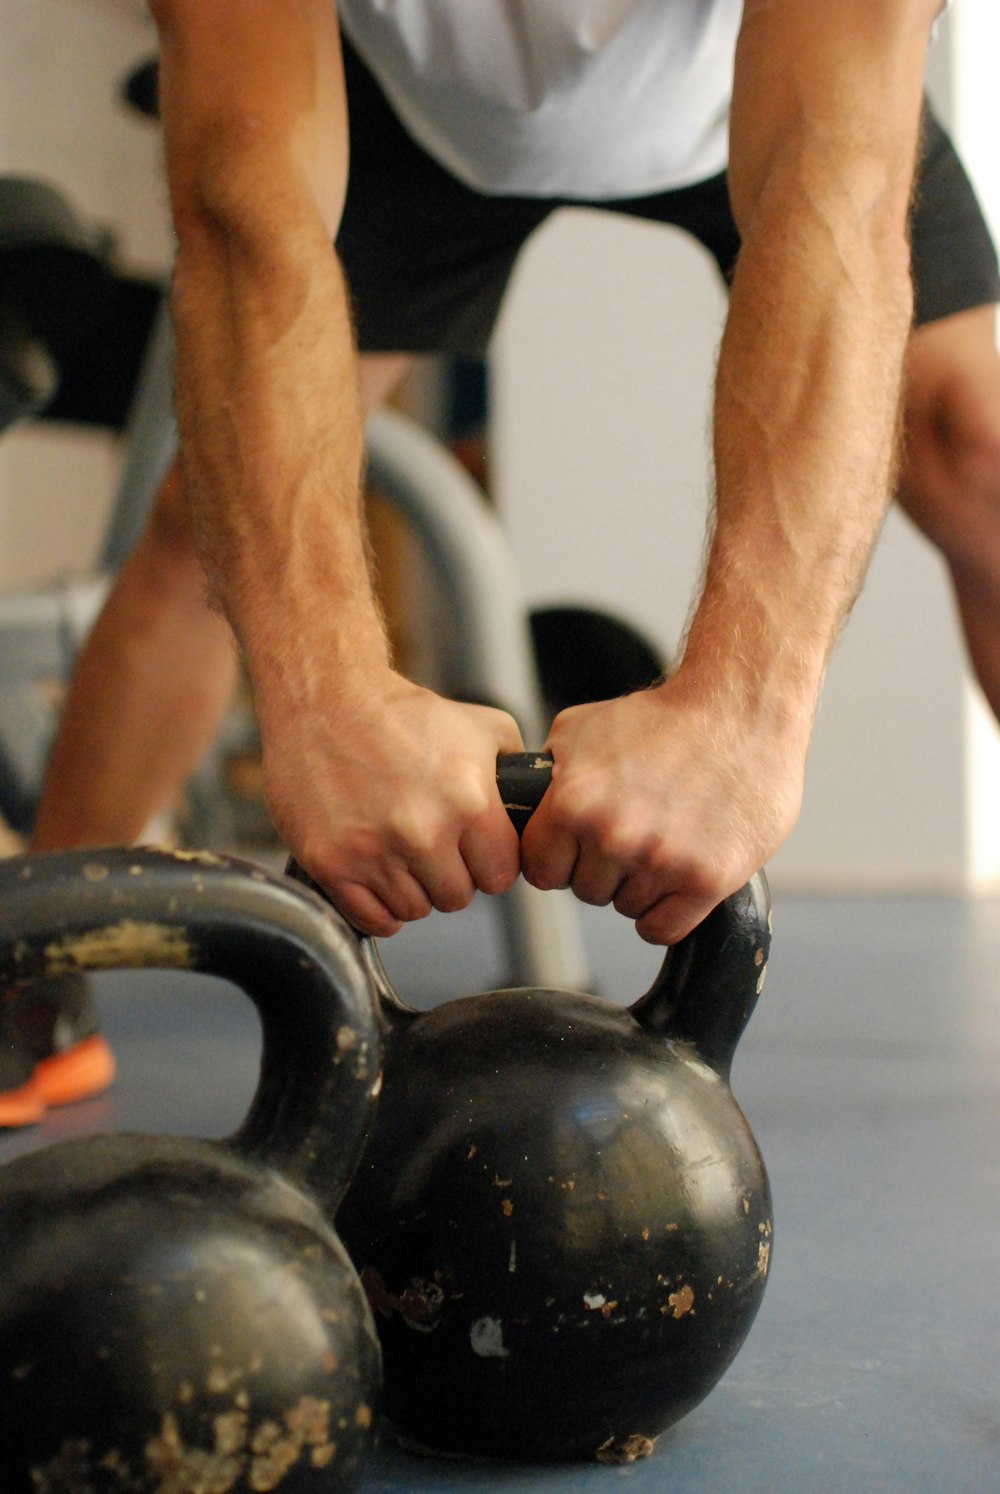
pixel 77 1073
pixel 51 1051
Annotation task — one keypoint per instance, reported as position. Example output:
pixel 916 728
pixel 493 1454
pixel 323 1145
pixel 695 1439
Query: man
pixel 483 116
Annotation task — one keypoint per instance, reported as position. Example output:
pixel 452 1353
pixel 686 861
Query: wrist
pixel 303 669
pixel 762 633
pixel 769 683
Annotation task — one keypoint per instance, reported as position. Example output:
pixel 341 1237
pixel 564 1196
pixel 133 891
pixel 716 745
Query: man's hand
pixel 662 803
pixel 388 799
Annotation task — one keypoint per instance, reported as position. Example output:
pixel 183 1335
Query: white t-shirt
pixel 558 98
pixel 570 98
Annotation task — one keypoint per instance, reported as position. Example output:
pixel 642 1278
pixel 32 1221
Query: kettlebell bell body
pixel 174 1313
pixel 561 1218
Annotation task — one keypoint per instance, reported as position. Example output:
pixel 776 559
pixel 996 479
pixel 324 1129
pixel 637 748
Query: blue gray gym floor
pixel 871 1076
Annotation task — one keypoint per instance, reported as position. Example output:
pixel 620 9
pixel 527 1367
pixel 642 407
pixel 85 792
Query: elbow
pixel 218 170
pixel 236 179
pixel 254 119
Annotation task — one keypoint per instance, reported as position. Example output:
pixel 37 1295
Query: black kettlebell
pixel 177 1314
pixel 561 1218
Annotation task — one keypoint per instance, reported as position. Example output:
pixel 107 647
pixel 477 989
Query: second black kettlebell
pixel 177 1314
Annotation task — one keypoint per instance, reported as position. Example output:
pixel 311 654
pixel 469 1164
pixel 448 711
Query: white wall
pixel 602 369
pixel 61 65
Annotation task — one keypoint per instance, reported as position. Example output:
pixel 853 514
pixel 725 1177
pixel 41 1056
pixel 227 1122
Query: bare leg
pixel 151 683
pixel 378 376
pixel 148 693
pixel 153 680
pixel 950 484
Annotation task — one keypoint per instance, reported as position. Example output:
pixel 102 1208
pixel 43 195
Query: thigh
pixel 952 361
pixel 378 375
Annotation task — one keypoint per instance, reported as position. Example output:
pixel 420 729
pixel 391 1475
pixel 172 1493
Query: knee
pixel 167 550
pixel 169 527
pixel 970 441
pixel 950 476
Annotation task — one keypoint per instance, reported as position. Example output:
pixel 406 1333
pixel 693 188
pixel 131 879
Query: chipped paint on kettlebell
pixel 128 943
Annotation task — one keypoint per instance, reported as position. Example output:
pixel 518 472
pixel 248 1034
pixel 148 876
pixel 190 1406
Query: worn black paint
pixel 172 1308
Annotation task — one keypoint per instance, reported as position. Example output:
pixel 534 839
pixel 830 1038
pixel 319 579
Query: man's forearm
pixel 805 426
pixel 254 117
pixel 272 440
pixel 809 375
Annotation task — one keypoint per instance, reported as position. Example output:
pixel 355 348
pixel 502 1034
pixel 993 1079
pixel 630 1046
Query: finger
pixel 673 917
pixel 491 851
pixel 402 892
pixel 445 878
pixel 364 911
pixel 475 848
pixel 381 893
pixel 548 856
pixel 639 893
pixel 549 846
pixel 597 877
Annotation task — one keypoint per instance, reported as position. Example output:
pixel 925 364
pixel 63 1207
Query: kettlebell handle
pixel 522 778
pixel 285 947
pixel 709 982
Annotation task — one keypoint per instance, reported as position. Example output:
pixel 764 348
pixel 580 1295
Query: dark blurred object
pixel 72 333
pixel 54 288
pixel 98 374
pixel 584 655
pixel 141 88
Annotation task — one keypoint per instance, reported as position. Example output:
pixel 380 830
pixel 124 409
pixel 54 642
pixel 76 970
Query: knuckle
pixel 411 830
pixel 419 827
pixel 621 841
pixel 630 902
pixel 694 873
pixel 576 803
pixel 703 882
pixel 656 931
pixel 362 913
pixel 496 881
pixel 592 897
pixel 325 870
pixel 543 878
pixel 377 928
pixel 453 899
pixel 472 799
pixel 358 847
pixel 672 921
pixel 503 725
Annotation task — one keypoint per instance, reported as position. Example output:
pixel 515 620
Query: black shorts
pixel 428 258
